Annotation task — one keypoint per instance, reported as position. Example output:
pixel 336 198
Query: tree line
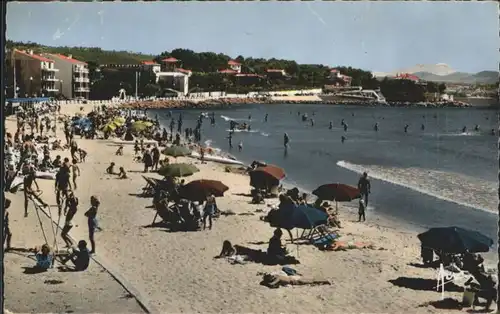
pixel 106 82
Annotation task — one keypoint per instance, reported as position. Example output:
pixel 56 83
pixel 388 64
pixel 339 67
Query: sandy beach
pixel 176 271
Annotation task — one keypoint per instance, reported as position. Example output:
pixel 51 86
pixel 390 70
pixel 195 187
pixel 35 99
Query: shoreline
pixel 170 267
pixel 229 102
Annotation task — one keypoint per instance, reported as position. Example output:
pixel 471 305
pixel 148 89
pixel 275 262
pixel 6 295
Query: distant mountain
pixel 483 77
pixel 436 69
pixel 442 72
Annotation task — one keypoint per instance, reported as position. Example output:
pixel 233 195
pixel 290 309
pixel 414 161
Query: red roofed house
pixel 340 79
pixel 407 76
pixel 35 74
pixel 150 66
pixel 73 76
pixel 168 64
pixel 234 65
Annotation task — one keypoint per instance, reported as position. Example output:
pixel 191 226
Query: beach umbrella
pixel 199 190
pixel 139 126
pixel 267 176
pixel 455 240
pixel 119 121
pixel 298 216
pixel 178 170
pixel 110 127
pixel 176 151
pixel 337 192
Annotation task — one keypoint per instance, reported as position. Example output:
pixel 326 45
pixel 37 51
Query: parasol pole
pixel 297 244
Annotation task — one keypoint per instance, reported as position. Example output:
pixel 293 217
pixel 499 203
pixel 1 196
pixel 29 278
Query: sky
pixel 375 36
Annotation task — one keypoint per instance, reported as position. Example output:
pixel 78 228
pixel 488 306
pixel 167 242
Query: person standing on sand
pixel 361 210
pixel 76 172
pixel 364 187
pixel 91 215
pixel 209 212
pixel 156 157
pixel 147 159
pixel 70 211
pixel 7 235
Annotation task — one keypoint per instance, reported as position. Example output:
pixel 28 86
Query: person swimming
pixel 265 118
pixel 375 127
pixel 406 128
pixel 342 139
pixel 476 128
pixel 345 127
pixel 331 125
pixel 422 127
pixel 464 129
pixel 312 122
pixel 249 117
pixel 342 122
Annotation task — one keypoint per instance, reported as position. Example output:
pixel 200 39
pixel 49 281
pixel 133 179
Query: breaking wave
pixel 451 187
pixel 226 118
pixel 243 131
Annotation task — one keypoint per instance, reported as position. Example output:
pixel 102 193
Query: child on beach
pixel 44 258
pixel 122 174
pixel 76 172
pixel 361 210
pixel 111 168
pixel 83 154
pixel 79 257
pixel 119 152
pixel 91 215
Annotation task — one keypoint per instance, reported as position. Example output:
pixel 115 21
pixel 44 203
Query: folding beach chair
pixel 322 235
pixel 150 187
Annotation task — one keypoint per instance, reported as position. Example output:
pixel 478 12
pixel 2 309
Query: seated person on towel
pixel 80 257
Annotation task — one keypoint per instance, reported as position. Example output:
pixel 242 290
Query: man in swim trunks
pixel 364 187
pixel 62 185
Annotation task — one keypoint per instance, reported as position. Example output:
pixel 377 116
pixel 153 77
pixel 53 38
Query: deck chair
pixel 150 187
pixel 322 235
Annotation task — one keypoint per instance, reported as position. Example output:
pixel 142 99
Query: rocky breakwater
pixel 192 103
pixel 229 102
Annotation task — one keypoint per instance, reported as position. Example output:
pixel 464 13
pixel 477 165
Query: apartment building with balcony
pixel 73 76
pixel 34 75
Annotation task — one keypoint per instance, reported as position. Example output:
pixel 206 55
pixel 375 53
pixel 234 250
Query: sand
pixel 176 270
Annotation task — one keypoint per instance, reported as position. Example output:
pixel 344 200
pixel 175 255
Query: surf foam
pixel 451 187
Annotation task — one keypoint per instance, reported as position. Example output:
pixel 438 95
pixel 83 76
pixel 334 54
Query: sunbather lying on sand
pixel 276 281
pixel 343 246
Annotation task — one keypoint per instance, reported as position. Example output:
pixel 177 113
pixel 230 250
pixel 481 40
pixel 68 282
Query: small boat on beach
pixel 214 158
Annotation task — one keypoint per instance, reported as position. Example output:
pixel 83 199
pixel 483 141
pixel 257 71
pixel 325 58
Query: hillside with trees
pixel 205 77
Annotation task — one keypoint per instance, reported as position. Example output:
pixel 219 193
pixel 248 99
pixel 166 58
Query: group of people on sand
pixel 31 148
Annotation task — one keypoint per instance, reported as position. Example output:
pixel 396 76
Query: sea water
pixel 436 176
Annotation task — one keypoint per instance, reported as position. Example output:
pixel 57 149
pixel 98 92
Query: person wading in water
pixel 364 187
